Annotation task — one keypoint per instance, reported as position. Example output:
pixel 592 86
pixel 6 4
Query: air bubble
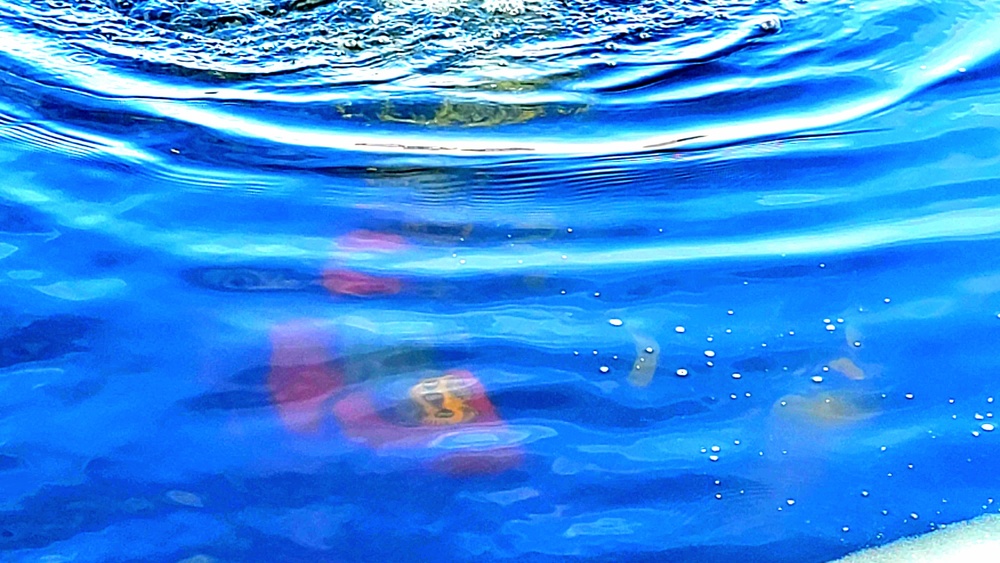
pixel 616 322
pixel 681 372
pixel 679 329
pixel 770 25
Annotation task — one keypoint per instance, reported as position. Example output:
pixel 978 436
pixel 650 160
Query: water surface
pixel 722 276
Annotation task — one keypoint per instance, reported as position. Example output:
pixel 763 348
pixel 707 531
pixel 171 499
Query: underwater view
pixel 497 280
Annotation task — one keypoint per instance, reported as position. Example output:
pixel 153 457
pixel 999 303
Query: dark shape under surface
pixel 44 339
pixel 250 279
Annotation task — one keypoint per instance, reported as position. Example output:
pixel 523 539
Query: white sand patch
pixel 974 541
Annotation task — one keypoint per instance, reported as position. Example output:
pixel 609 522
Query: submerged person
pixel 403 408
pixel 415 415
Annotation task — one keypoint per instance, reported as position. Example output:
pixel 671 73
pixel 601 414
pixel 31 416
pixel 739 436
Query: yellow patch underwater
pixel 442 401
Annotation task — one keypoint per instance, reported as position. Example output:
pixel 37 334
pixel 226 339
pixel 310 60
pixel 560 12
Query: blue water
pixel 723 277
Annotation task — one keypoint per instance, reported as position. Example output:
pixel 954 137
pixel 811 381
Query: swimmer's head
pixel 443 400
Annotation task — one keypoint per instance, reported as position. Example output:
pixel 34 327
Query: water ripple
pixel 728 72
pixel 721 275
